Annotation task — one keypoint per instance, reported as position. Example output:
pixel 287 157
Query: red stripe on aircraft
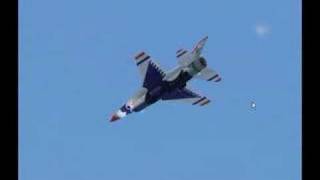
pixel 139 55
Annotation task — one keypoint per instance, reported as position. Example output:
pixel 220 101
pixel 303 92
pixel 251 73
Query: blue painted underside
pixel 159 89
pixel 179 94
pixel 153 77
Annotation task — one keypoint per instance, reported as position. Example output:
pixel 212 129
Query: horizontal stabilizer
pixel 184 57
pixel 209 75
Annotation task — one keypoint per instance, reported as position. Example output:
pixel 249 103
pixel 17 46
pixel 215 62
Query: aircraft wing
pixel 150 72
pixel 209 75
pixel 186 95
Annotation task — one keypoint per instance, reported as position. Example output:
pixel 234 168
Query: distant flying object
pixel 171 85
pixel 253 105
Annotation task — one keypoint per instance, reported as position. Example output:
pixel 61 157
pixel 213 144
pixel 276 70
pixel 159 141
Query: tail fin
pixel 198 48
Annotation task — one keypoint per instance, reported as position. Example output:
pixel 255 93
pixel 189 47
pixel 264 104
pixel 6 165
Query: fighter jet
pixel 171 85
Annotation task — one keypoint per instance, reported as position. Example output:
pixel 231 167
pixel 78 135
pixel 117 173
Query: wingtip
pixel 218 80
pixel 139 55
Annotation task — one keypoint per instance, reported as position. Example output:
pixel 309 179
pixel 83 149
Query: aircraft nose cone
pixel 114 118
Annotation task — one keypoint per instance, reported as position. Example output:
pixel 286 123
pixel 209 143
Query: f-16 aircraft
pixel 171 85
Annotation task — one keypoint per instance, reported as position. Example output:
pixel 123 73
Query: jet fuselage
pixel 171 85
pixel 155 94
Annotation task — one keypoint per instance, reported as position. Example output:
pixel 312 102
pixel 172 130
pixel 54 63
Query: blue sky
pixel 76 67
